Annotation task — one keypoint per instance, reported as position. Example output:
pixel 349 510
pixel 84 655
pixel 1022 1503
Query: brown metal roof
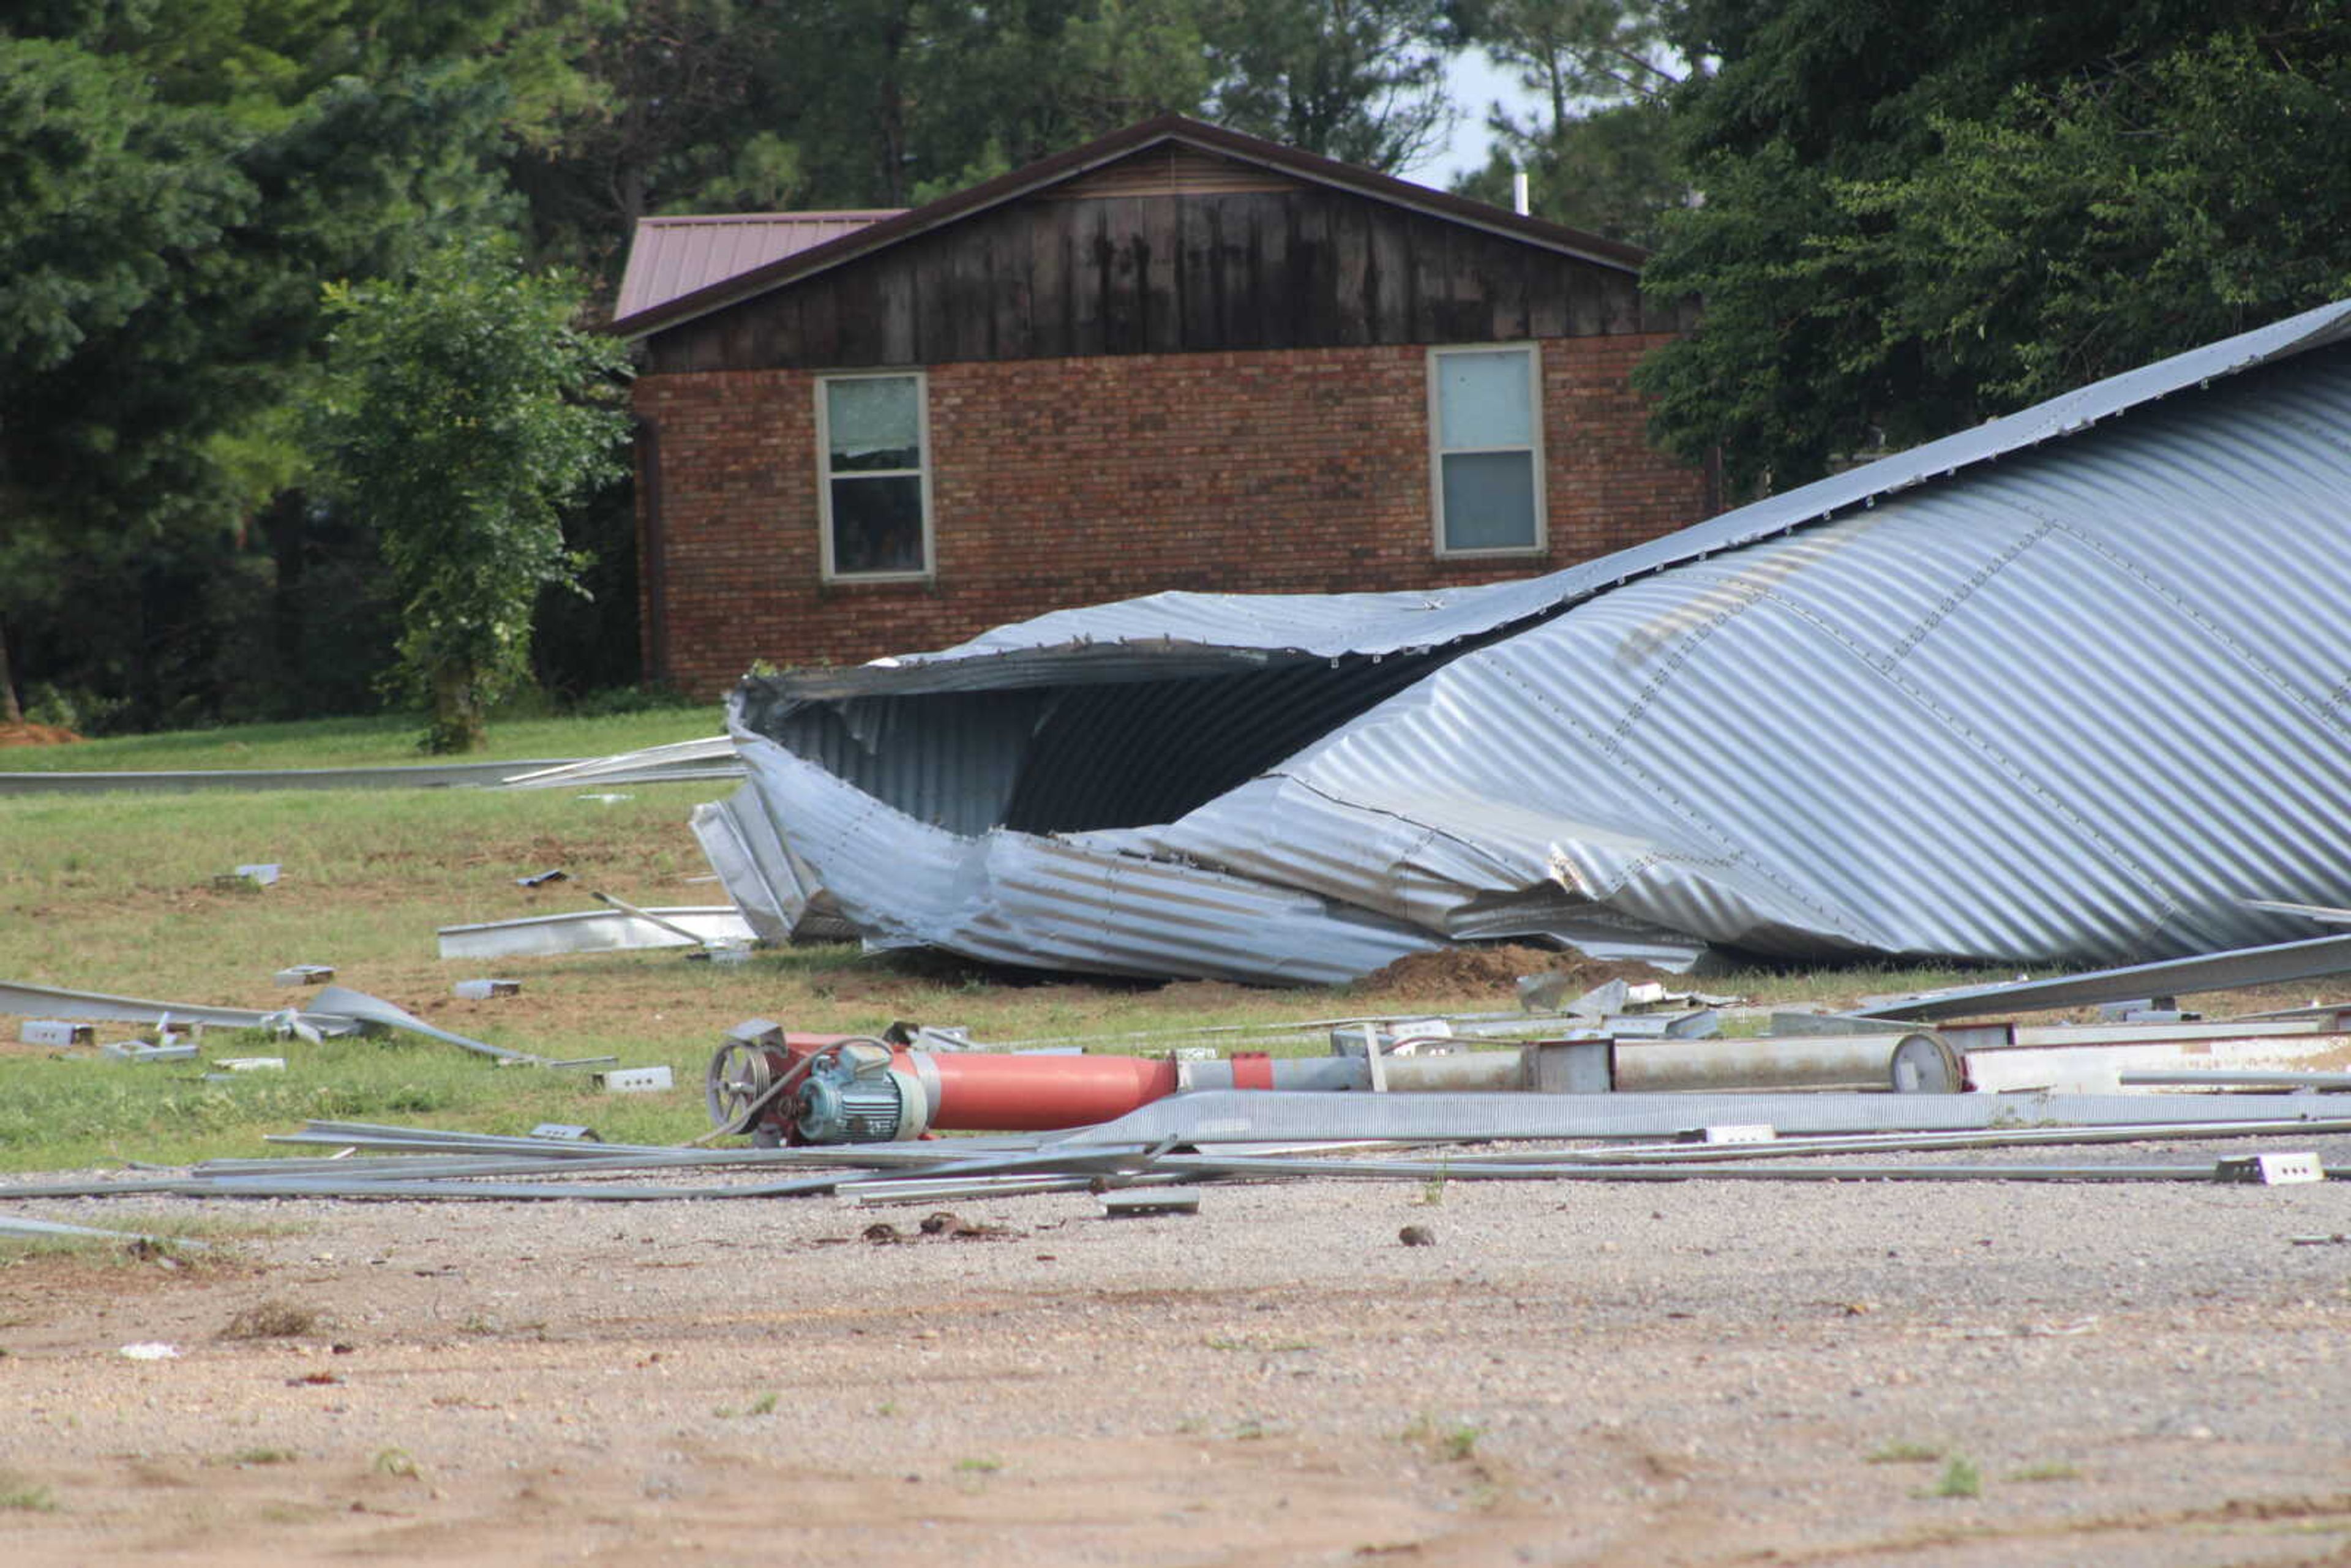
pixel 717 295
pixel 673 258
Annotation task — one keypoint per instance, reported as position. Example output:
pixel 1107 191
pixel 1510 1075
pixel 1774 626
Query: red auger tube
pixel 983 1091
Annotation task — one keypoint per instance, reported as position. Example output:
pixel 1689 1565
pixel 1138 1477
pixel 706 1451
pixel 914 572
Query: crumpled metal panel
pixel 772 906
pixel 1020 898
pixel 2069 706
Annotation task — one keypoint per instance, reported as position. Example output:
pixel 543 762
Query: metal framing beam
pixel 2277 964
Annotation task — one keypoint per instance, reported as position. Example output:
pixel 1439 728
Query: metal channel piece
pixel 1162 1201
pixel 371 1134
pixel 2221 1077
pixel 592 1161
pixel 1108 1160
pixel 595 931
pixel 2271 1170
pixel 36 999
pixel 1238 1116
pixel 679 760
pixel 1890 1143
pixel 2215 1033
pixel 882 1193
pixel 2243 967
pixel 23 1225
pixel 1438 1170
pixel 422 776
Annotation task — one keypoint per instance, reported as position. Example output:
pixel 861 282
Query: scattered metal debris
pixel 304 974
pixel 55 1031
pixel 635 1081
pixel 1143 1154
pixel 542 878
pixel 343 1002
pixel 847 1115
pixel 483 990
pixel 1132 1202
pixel 140 1052
pixel 1740 1132
pixel 596 930
pixel 2271 1170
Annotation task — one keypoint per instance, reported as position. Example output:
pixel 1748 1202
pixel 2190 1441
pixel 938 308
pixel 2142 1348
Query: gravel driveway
pixel 1690 1373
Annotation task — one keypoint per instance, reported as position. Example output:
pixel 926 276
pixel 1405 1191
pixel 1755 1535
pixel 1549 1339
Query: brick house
pixel 1174 358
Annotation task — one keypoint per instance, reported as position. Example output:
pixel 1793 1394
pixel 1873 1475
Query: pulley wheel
pixel 740 1073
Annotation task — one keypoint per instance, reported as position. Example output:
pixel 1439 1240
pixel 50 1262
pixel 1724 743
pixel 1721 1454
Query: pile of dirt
pixel 1465 971
pixel 36 735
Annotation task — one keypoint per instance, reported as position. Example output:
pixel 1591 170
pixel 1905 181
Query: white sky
pixel 1474 82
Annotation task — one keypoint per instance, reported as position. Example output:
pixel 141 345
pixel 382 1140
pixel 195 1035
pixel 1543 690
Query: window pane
pixel 874 421
pixel 1482 400
pixel 1490 500
pixel 877 525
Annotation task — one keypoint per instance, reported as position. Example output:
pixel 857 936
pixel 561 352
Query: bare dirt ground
pixel 1699 1372
pixel 36 735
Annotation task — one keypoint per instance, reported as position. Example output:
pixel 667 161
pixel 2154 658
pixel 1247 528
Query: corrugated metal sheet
pixel 672 257
pixel 2069 707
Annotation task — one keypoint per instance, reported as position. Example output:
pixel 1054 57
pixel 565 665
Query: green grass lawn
pixel 382 740
pixel 115 894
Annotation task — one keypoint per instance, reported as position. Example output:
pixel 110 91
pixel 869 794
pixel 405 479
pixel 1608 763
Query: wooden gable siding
pixel 1201 271
pixel 1170 170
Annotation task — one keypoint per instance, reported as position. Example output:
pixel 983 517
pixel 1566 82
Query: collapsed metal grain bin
pixel 2059 689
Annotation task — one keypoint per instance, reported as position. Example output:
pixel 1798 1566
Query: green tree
pixel 665 112
pixel 1611 171
pixel 1576 54
pixel 461 411
pixel 1359 81
pixel 1598 151
pixel 885 102
pixel 174 184
pixel 1917 216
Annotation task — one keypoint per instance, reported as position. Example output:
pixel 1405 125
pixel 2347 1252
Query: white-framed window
pixel 1485 437
pixel 874 475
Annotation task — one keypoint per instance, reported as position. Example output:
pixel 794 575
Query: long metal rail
pixel 1265 1115
pixel 2276 964
pixel 399 775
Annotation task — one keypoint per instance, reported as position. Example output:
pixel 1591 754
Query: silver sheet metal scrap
pixel 2060 689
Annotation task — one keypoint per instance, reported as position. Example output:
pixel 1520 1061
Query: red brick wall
pixel 1065 482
